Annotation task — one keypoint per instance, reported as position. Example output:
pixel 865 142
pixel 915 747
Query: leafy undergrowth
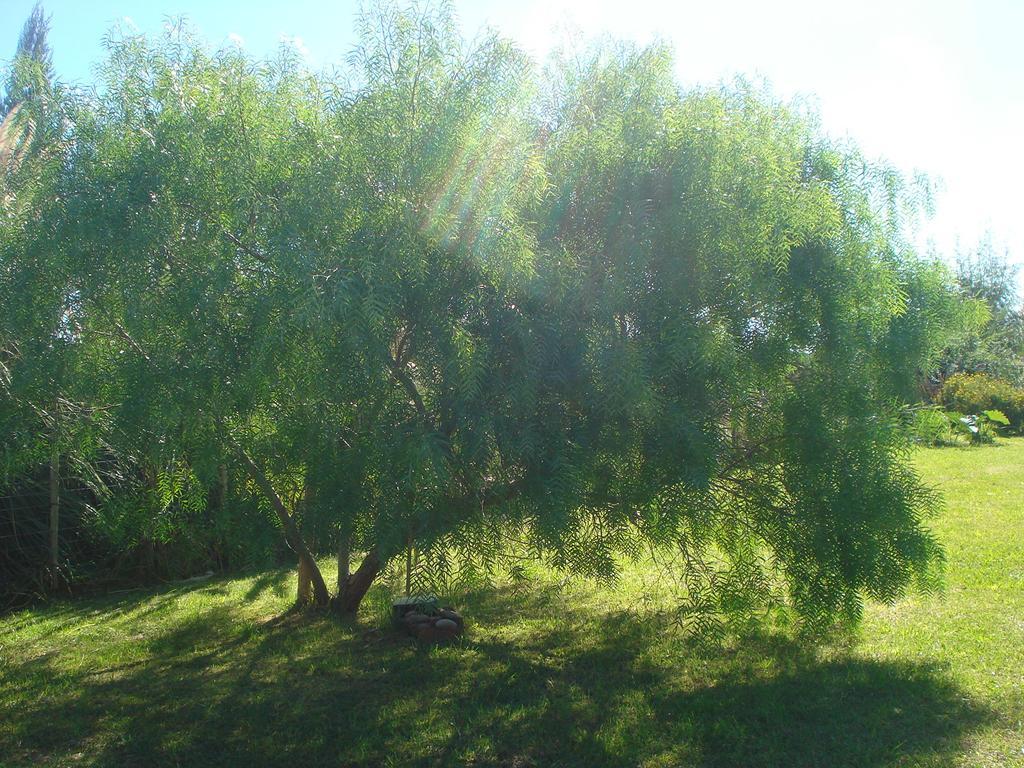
pixel 216 673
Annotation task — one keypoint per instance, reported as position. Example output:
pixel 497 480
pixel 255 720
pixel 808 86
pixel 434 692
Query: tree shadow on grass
pixel 589 690
pixel 274 580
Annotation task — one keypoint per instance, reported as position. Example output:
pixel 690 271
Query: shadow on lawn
pixel 608 690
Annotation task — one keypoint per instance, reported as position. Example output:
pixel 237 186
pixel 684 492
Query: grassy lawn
pixel 211 673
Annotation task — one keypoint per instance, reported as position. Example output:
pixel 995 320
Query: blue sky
pixel 931 85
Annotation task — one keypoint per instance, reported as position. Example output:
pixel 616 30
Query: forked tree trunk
pixel 307 564
pixel 358 584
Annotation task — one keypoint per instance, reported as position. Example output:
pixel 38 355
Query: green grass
pixel 583 675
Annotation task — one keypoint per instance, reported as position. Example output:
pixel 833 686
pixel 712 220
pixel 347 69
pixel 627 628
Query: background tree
pixel 997 347
pixel 32 63
pixel 34 410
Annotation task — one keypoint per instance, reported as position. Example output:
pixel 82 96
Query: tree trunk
pixel 54 517
pixel 305 591
pixel 321 597
pixel 408 568
pixel 219 501
pixel 355 590
pixel 222 485
pixel 344 565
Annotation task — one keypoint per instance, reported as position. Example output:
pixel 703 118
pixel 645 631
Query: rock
pixel 425 633
pixel 422 618
pixel 411 622
pixel 448 613
pixel 440 631
pixel 415 604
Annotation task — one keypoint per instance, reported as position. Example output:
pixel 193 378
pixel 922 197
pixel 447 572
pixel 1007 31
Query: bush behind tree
pixel 975 393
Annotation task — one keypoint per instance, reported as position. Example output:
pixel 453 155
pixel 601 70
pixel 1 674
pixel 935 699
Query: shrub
pixel 933 426
pixel 975 393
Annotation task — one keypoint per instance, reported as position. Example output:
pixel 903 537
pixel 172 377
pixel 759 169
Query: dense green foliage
pixel 440 301
pixel 551 673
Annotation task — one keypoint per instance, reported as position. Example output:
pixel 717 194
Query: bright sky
pixel 931 85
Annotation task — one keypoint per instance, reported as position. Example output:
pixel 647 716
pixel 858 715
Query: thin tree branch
pixel 402 376
pixel 245 248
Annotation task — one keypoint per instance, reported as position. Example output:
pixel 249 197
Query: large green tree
pixel 439 300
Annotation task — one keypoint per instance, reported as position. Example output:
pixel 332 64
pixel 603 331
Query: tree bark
pixel 358 585
pixel 304 594
pixel 344 565
pixel 408 568
pixel 222 485
pixel 321 597
pixel 54 517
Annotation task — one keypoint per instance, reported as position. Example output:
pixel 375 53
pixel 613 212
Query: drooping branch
pixel 401 375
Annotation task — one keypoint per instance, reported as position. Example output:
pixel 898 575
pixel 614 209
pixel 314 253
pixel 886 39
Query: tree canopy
pixel 441 299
